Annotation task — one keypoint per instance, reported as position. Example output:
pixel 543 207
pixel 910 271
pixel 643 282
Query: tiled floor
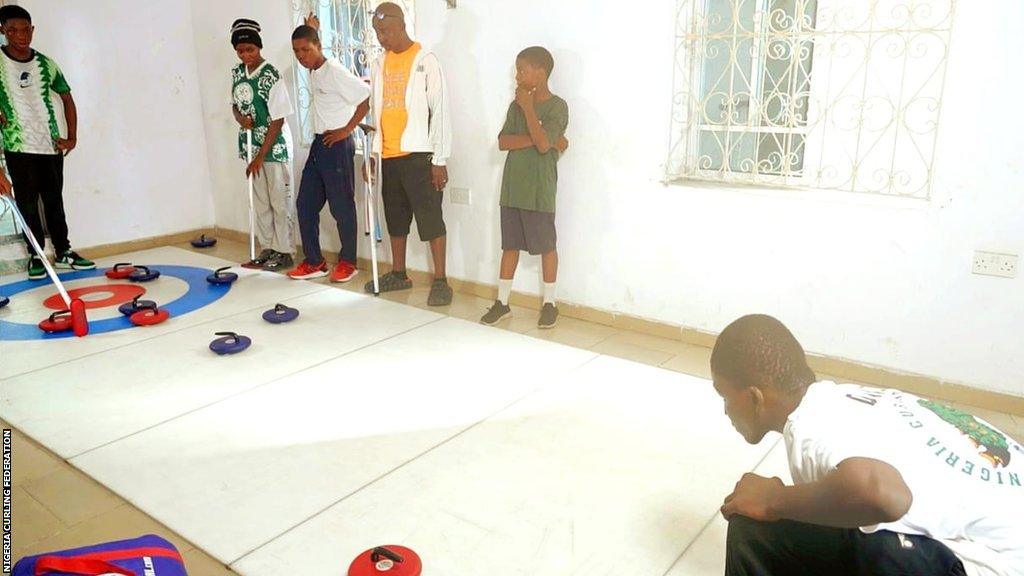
pixel 60 507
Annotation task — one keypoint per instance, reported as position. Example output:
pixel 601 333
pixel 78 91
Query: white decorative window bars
pixel 347 34
pixel 825 94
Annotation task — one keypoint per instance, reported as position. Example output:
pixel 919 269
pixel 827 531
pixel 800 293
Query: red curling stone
pixel 57 322
pixel 120 271
pixel 149 317
pixel 390 560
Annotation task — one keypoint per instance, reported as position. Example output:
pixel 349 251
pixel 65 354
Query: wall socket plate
pixel 994 264
pixel 460 196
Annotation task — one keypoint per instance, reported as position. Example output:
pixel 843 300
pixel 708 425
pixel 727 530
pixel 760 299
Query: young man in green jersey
pixel 33 145
pixel 260 103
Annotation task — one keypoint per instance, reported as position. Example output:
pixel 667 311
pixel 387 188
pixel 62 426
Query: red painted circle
pixel 119 294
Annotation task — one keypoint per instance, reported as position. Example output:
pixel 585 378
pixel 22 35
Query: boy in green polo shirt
pixel 534 136
pixel 261 103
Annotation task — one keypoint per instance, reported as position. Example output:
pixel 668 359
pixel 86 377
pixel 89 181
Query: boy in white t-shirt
pixel 338 102
pixel 885 482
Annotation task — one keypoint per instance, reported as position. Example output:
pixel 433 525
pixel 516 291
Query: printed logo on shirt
pixel 991 443
pixel 993 451
pixel 25 80
pixel 394 89
pixel 243 97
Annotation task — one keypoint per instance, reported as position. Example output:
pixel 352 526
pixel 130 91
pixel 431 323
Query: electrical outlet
pixel 994 264
pixel 983 263
pixel 461 196
pixel 1008 266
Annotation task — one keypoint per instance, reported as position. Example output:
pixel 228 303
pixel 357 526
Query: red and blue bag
pixel 145 556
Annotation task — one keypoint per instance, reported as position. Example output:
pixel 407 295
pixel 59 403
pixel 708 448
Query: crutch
pixel 370 199
pixel 79 322
pixel 252 209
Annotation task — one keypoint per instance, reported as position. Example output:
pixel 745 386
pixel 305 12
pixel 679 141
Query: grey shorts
pixel 408 192
pixel 527 230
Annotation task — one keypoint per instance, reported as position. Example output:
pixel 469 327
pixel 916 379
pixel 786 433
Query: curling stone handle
pixel 381 551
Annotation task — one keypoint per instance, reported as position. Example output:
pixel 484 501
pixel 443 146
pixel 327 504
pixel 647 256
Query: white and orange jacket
pixel 429 127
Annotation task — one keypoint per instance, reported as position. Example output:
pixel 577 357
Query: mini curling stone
pixel 280 314
pixel 120 271
pixel 391 560
pixel 230 343
pixel 204 241
pixel 129 308
pixel 57 322
pixel 143 274
pixel 149 315
pixel 221 276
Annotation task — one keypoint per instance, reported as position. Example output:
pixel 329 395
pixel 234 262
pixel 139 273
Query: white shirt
pixel 27 89
pixel 965 475
pixel 335 94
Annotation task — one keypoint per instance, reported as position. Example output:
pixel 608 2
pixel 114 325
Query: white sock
pixel 504 291
pixel 549 293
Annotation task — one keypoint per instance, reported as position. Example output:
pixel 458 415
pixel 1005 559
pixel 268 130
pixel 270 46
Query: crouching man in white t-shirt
pixel 886 483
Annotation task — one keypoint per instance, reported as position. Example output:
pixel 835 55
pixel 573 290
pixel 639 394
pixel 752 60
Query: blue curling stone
pixel 220 276
pixel 203 241
pixel 230 343
pixel 129 308
pixel 280 314
pixel 144 274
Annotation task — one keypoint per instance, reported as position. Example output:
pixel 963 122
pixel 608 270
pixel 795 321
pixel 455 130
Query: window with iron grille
pixel 825 94
pixel 347 35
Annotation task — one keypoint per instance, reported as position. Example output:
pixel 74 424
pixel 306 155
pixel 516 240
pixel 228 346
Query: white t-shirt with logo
pixel 26 100
pixel 965 475
pixel 336 92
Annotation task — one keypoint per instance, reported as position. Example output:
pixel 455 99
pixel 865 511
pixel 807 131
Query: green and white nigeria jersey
pixel 27 103
pixel 263 96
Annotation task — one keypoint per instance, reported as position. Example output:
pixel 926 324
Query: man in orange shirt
pixel 410 101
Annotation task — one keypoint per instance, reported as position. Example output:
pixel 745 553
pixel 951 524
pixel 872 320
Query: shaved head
pixel 759 350
pixel 390 11
pixel 389 24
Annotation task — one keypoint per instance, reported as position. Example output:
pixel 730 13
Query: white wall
pixel 140 166
pixel 879 280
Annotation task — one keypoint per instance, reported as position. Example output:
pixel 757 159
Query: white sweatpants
pixel 275 207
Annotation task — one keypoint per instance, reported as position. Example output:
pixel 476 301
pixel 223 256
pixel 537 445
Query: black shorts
pixel 408 191
pixel 527 230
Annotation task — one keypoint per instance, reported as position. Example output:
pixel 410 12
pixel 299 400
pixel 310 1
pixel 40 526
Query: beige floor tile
pixel 1004 422
pixel 29 460
pixel 656 343
pixel 121 523
pixel 693 360
pixel 523 320
pixel 199 563
pixel 417 296
pixel 31 522
pixel 465 307
pixel 72 496
pixel 572 332
pixel 838 379
pixel 1017 433
pixel 614 346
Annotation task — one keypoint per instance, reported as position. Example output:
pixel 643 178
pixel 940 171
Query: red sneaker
pixel 343 272
pixel 307 271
